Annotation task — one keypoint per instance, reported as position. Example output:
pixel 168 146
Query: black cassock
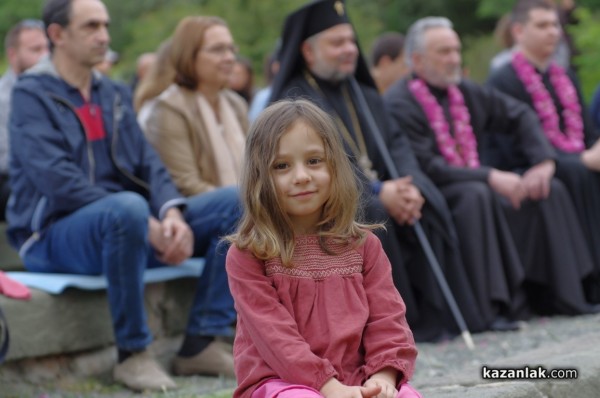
pixel 583 184
pixel 535 252
pixel 427 311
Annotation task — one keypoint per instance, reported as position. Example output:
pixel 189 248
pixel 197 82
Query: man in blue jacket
pixel 91 197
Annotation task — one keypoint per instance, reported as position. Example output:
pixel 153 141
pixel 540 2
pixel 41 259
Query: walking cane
pixel 425 245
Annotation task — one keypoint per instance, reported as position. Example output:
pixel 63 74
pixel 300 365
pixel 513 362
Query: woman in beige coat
pixel 197 125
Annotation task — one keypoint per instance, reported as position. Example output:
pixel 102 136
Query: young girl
pixel 318 314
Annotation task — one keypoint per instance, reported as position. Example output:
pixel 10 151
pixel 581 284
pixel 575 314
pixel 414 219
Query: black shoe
pixel 443 337
pixel 592 309
pixel 502 324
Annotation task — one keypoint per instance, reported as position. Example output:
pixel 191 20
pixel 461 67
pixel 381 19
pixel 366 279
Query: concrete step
pixel 444 370
pixel 9 258
pixel 79 320
pixel 449 370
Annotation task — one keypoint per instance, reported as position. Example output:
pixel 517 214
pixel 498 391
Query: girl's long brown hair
pixel 265 228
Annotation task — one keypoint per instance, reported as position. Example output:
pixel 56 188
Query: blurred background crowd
pixel 139 27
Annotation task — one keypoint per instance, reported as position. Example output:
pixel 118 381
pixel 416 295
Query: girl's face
pixel 301 176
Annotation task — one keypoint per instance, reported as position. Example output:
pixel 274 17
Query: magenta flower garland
pixel 460 150
pixel 572 138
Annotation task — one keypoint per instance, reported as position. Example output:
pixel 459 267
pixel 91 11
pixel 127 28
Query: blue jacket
pixel 52 166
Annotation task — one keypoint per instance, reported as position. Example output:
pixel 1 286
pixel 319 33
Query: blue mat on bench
pixel 57 283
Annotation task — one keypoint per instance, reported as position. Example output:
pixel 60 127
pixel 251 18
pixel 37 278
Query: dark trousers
pixel 4 194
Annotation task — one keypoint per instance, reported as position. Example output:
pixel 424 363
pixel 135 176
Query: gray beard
pixel 445 83
pixel 333 76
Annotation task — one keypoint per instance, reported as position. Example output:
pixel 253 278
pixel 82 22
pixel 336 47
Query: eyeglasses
pixel 222 49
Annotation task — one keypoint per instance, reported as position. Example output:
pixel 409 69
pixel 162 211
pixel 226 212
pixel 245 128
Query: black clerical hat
pixel 322 15
pixel 303 23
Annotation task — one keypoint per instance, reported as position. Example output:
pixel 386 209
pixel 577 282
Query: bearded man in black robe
pixel 554 95
pixel 319 57
pixel 519 222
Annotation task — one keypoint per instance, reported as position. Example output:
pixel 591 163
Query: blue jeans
pixel 110 237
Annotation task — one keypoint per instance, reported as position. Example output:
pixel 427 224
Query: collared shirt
pixel 90 114
pixel 7 82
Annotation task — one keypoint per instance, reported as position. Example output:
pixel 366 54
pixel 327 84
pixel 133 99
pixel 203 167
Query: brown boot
pixel 214 360
pixel 141 372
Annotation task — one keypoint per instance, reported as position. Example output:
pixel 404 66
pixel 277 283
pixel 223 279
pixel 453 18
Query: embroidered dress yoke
pixel 327 316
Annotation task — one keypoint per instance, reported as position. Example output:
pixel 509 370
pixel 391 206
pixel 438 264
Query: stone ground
pixel 444 370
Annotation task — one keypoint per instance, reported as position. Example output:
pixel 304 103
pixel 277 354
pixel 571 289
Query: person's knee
pixel 558 188
pixel 221 206
pixel 233 212
pixel 282 389
pixel 478 190
pixel 229 197
pixel 128 210
pixel 299 392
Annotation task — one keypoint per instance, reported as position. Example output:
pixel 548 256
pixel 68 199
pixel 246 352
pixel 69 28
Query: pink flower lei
pixel 572 139
pixel 460 150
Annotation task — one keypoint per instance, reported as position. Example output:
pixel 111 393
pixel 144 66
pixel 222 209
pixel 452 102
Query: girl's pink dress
pixel 327 316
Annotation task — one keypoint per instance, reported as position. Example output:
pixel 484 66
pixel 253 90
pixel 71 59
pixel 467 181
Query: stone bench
pixel 9 258
pixel 78 320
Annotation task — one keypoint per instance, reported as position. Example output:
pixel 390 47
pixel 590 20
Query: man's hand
pixel 402 200
pixel 509 185
pixel 537 180
pixel 334 389
pixel 172 239
pixel 591 157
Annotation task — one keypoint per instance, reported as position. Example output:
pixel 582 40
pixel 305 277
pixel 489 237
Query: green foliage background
pixel 141 25
pixel 587 34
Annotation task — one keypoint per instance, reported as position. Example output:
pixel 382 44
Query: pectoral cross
pixel 339 7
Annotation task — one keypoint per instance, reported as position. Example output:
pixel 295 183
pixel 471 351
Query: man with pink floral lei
pixel 554 94
pixel 521 222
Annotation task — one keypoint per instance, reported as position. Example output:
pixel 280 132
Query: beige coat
pixel 179 134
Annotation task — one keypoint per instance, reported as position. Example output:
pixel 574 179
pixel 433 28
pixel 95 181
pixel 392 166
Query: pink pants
pixel 277 388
